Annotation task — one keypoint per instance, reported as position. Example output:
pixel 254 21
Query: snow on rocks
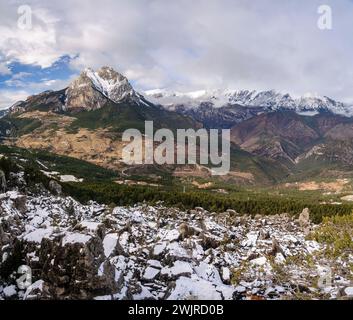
pixel 199 289
pixel 208 272
pixel 270 100
pixel 34 290
pixel 154 252
pixel 349 291
pixel 74 237
pixel 10 291
pixel 38 235
pixel 226 275
pixel 179 268
pixel 151 273
pixel 259 261
pixel 109 243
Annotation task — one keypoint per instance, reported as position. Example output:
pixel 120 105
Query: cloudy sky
pixel 179 44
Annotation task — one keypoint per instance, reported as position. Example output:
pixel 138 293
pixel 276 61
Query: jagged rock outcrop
pixel 304 221
pixel 2 181
pixel 76 267
pixel 114 85
pixel 48 100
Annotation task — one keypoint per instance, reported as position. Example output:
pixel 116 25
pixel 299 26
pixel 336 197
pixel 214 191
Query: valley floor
pixel 91 251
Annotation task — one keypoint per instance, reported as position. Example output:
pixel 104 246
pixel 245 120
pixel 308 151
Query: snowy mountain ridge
pixel 269 100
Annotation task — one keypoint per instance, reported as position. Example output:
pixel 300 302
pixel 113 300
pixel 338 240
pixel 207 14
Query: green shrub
pixel 337 233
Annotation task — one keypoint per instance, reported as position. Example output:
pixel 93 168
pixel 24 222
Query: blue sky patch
pixel 23 75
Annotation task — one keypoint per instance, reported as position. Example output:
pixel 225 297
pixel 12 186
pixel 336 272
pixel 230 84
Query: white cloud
pixel 192 44
pixel 25 89
pixel 37 45
pixel 4 69
pixel 8 97
pixel 17 79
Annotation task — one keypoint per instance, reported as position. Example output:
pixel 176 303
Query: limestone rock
pixel 2 182
pixel 19 203
pixel 78 269
pixel 304 221
pixel 55 187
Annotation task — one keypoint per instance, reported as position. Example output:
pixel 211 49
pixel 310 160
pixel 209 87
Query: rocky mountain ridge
pixel 267 100
pixel 226 108
pixel 93 89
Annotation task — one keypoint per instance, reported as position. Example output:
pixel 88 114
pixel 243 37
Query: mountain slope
pixel 219 118
pixel 274 135
pixel 90 91
pixel 86 120
pixel 3 113
pixel 322 140
pixel 107 92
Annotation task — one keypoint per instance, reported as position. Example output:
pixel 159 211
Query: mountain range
pixel 274 136
pixel 270 100
pixel 236 106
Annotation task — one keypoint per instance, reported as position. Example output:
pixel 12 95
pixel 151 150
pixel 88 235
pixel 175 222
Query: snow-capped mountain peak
pixel 94 89
pixel 111 83
pixel 91 90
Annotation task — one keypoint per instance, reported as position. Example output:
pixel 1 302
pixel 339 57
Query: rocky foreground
pixel 93 252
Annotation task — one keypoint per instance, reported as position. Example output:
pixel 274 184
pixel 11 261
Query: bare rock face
pixel 304 218
pixel 19 203
pixel 93 90
pixel 186 231
pixel 4 237
pixel 77 268
pixel 115 86
pixel 66 261
pixel 50 100
pixel 276 248
pixel 55 187
pixel 2 181
pixel 38 290
pixel 82 95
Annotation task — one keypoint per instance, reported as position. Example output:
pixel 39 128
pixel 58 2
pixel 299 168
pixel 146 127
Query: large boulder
pixel 304 219
pixel 76 267
pixel 186 231
pixel 2 182
pixel 4 237
pixel 55 188
pixel 20 203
